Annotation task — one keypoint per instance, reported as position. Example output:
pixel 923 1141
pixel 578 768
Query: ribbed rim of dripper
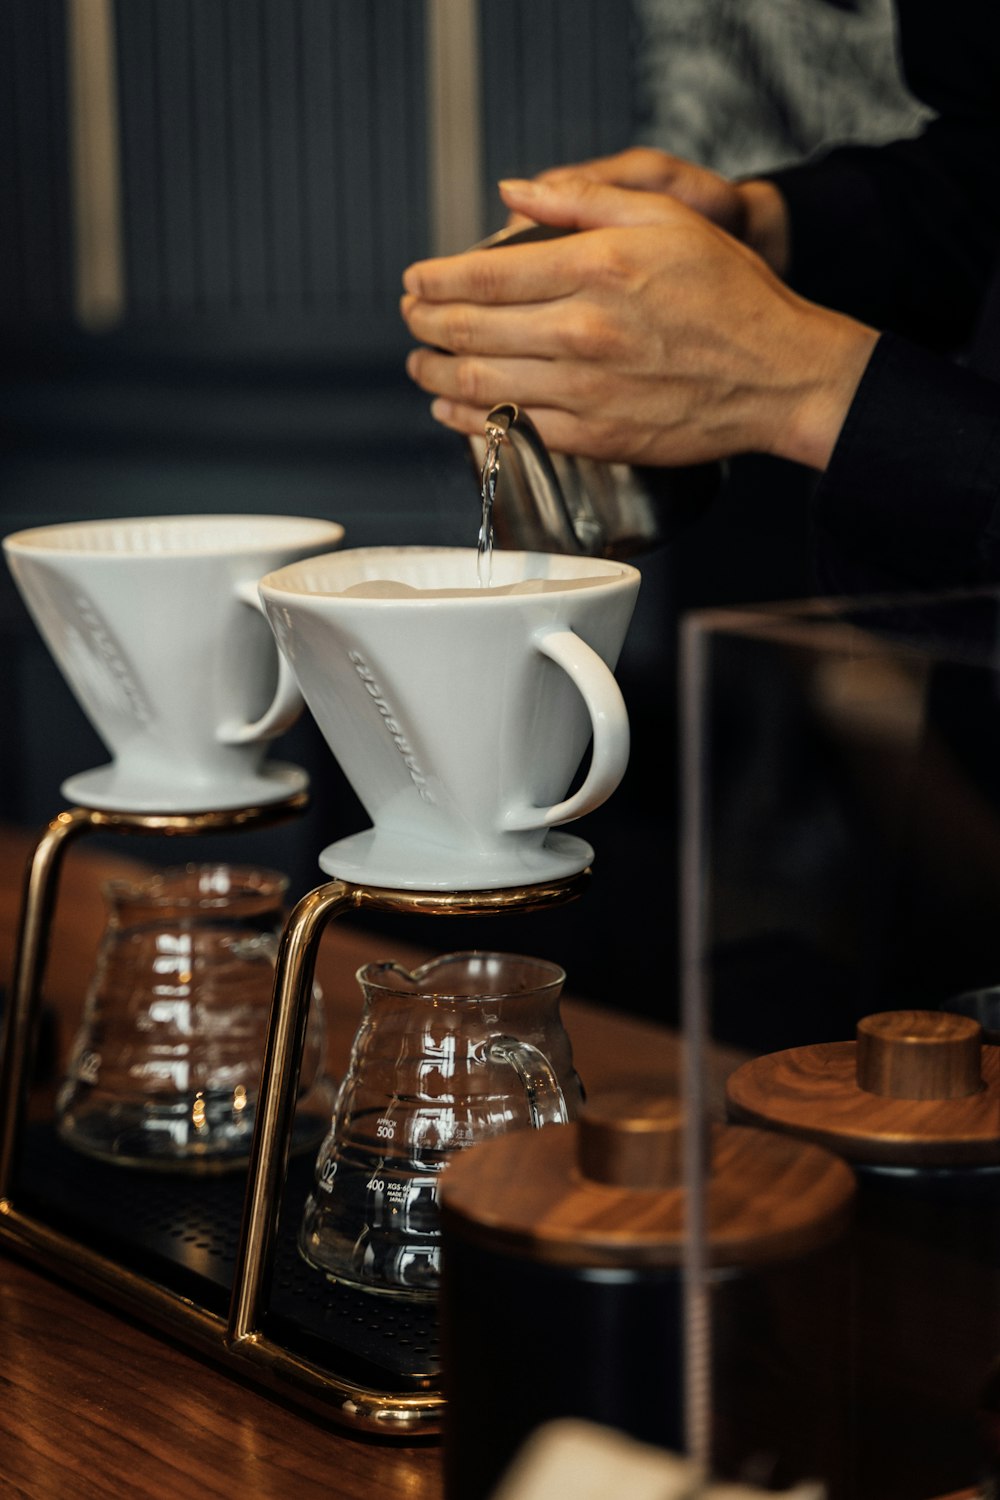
pixel 199 534
pixel 335 572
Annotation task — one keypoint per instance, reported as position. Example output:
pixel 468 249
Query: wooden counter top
pixel 96 1408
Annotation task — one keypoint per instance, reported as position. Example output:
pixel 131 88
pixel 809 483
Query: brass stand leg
pixel 293 982
pixel 17 1053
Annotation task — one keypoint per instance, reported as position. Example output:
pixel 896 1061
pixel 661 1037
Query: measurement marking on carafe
pixel 88 1067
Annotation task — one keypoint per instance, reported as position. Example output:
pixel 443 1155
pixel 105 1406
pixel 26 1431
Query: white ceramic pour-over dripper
pixel 460 714
pixel 156 626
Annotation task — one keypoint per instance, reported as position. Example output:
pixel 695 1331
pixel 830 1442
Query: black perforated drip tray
pixel 182 1232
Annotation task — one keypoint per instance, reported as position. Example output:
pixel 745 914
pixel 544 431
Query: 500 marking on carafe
pixel 385 1129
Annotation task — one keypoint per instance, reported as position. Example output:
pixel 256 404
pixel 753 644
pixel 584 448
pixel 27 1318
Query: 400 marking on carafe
pixel 393 1192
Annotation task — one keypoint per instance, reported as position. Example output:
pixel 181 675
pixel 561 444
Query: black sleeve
pixel 911 498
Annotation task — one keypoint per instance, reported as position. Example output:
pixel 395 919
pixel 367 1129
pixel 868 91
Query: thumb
pixel 578 202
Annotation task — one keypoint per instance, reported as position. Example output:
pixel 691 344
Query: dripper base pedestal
pixel 373 858
pixel 108 789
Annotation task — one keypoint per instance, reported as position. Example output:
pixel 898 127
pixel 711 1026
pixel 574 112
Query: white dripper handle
pixel 609 723
pixel 286 705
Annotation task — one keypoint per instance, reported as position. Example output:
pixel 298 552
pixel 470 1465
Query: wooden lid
pixel 530 1193
pixel 917 1088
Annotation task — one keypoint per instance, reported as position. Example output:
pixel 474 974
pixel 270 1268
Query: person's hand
pixel 753 212
pixel 652 336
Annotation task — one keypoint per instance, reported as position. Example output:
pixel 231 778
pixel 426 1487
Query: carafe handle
pixel 597 686
pixel 546 1102
pixel 286 705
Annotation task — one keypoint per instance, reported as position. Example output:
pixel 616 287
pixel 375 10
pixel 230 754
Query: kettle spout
pixel 537 494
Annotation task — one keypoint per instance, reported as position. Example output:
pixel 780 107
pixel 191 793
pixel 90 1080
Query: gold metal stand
pixel 236 1341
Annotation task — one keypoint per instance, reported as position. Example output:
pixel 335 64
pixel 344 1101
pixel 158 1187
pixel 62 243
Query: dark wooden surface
pixel 95 1407
pixel 92 1406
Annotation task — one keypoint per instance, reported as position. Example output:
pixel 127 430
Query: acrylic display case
pixel 841 855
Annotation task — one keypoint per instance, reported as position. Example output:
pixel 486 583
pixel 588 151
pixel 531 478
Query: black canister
pixel 562 1294
pixel 913 1104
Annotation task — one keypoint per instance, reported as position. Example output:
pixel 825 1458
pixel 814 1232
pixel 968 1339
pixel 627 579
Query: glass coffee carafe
pixel 165 1067
pixel 468 1046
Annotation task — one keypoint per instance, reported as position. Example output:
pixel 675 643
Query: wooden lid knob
pixel 919 1054
pixel 631 1141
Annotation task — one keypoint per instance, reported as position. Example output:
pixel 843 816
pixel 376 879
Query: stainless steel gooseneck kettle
pixel 553 502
